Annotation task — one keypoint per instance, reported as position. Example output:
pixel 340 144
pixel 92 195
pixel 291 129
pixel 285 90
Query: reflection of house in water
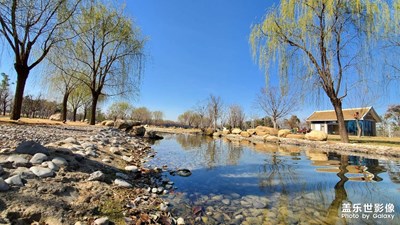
pixel 358 168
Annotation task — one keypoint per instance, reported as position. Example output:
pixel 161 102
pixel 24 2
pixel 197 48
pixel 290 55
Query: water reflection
pixel 261 183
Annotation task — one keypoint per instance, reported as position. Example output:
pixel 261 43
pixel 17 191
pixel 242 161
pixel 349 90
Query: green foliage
pixel 120 110
pixel 141 114
pixel 292 122
pixel 304 31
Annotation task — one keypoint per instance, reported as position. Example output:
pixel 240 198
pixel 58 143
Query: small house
pixel 326 121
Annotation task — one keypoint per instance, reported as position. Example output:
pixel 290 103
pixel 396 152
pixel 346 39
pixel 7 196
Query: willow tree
pixel 78 97
pixel 31 28
pixel 63 79
pixel 110 50
pixel 325 37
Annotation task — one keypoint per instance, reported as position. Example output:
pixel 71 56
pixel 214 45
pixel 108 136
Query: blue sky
pixel 198 48
pixel 194 49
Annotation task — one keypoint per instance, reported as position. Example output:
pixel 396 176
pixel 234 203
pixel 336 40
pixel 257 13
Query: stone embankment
pixel 79 175
pixel 314 139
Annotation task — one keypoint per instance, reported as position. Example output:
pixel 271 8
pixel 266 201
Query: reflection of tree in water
pixel 340 191
pixel 214 152
pixel 393 170
pixel 277 174
pixel 188 142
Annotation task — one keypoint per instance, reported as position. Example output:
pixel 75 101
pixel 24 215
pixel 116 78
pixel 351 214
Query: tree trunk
pixel 4 107
pixel 64 106
pixel 74 114
pixel 337 104
pixel 275 123
pixel 359 129
pixel 95 97
pixel 22 76
pixel 85 113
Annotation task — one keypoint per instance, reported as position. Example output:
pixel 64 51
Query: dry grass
pixel 37 121
pixel 387 141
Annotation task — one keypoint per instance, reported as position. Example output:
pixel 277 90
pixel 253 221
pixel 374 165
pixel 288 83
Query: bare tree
pixel 275 104
pixel 32 26
pixel 157 116
pixel 201 110
pixel 236 116
pixel 215 109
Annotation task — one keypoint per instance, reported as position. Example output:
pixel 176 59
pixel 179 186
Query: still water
pixel 246 183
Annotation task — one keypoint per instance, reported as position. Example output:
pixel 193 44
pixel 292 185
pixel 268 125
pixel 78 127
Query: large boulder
pixel 217 134
pixel 31 148
pixel 283 133
pixel 251 131
pixel 138 131
pixel 152 135
pixel 225 132
pixel 236 131
pixel 209 131
pixel 108 123
pixel 262 130
pixel 126 124
pixel 316 135
pixel 56 116
pixel 245 134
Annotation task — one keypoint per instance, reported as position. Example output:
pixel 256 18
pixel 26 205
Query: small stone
pixel 98 175
pixel 114 150
pixel 3 185
pixel 226 201
pixel 88 145
pixel 106 160
pixel 154 190
pixel 163 207
pixel 180 221
pixel 52 166
pixel 90 152
pixel 128 159
pixel 17 160
pixel 259 205
pixel 23 172
pixel 14 180
pixel 38 158
pixel 160 189
pixel 71 140
pixel 217 198
pixel 60 161
pixel 102 221
pixel 41 172
pixel 122 183
pixel 132 169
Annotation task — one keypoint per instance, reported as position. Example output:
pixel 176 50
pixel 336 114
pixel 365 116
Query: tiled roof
pixel 330 115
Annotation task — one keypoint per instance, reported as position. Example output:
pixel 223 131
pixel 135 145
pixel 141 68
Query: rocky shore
pixel 79 175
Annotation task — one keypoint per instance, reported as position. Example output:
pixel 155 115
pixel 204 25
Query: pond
pixel 247 183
